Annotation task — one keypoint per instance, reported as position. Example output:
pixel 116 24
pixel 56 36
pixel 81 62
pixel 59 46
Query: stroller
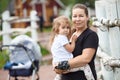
pixel 24 58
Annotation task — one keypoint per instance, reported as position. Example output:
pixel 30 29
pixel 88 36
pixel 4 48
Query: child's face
pixel 64 29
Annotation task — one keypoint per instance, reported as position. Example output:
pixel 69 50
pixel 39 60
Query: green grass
pixel 47 29
pixel 44 51
pixel 0 38
pixel 3 58
pixel 13 36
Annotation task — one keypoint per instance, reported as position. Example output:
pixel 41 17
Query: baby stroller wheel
pixel 16 78
pixel 9 78
pixel 38 77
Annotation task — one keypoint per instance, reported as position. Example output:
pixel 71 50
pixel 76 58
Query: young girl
pixel 61 48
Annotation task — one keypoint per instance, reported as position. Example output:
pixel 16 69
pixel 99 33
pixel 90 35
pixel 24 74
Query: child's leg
pixel 57 77
pixel 88 72
pixel 75 69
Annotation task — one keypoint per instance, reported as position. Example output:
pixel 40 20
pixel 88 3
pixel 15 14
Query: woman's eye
pixel 74 16
pixel 81 16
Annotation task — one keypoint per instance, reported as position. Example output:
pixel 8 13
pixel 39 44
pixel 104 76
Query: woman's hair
pixel 82 6
pixel 57 22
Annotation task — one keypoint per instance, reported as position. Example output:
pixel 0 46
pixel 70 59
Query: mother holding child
pixel 74 51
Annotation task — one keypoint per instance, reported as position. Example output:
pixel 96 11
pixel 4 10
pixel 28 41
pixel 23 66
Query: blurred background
pixel 48 9
pixel 23 15
pixel 34 18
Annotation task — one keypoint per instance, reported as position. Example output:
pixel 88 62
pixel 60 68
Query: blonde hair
pixel 57 22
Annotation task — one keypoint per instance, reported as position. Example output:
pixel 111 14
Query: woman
pixel 85 46
pixel 61 47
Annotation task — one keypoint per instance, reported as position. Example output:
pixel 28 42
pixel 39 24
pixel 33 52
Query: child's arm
pixel 70 47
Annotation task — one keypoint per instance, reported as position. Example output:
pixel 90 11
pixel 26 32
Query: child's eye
pixel 63 27
pixel 68 27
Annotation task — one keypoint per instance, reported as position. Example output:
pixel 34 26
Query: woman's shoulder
pixel 90 32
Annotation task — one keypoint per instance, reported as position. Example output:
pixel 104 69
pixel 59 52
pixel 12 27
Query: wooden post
pixel 6 28
pixel 103 38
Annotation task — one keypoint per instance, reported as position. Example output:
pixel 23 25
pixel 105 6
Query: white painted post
pixel 103 38
pixel 118 8
pixel 34 26
pixel 6 28
pixel 112 9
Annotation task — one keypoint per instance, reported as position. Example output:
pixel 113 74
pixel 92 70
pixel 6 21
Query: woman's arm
pixel 83 59
pixel 78 61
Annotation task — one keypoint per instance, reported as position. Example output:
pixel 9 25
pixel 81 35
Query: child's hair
pixel 57 22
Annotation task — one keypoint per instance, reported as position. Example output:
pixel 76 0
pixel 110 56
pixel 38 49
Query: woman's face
pixel 79 18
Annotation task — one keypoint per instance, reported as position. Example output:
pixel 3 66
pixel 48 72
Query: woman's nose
pixel 77 18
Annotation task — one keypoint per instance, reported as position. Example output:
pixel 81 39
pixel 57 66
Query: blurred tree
pixel 88 3
pixel 3 5
pixel 68 2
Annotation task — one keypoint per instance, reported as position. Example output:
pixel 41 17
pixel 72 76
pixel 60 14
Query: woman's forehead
pixel 78 10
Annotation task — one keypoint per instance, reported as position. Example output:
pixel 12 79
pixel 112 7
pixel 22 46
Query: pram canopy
pixel 29 50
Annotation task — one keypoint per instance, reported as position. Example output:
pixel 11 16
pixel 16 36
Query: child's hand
pixel 74 37
pixel 59 71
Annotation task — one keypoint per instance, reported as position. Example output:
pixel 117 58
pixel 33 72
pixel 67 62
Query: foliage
pixel 3 5
pixel 68 2
pixel 89 3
